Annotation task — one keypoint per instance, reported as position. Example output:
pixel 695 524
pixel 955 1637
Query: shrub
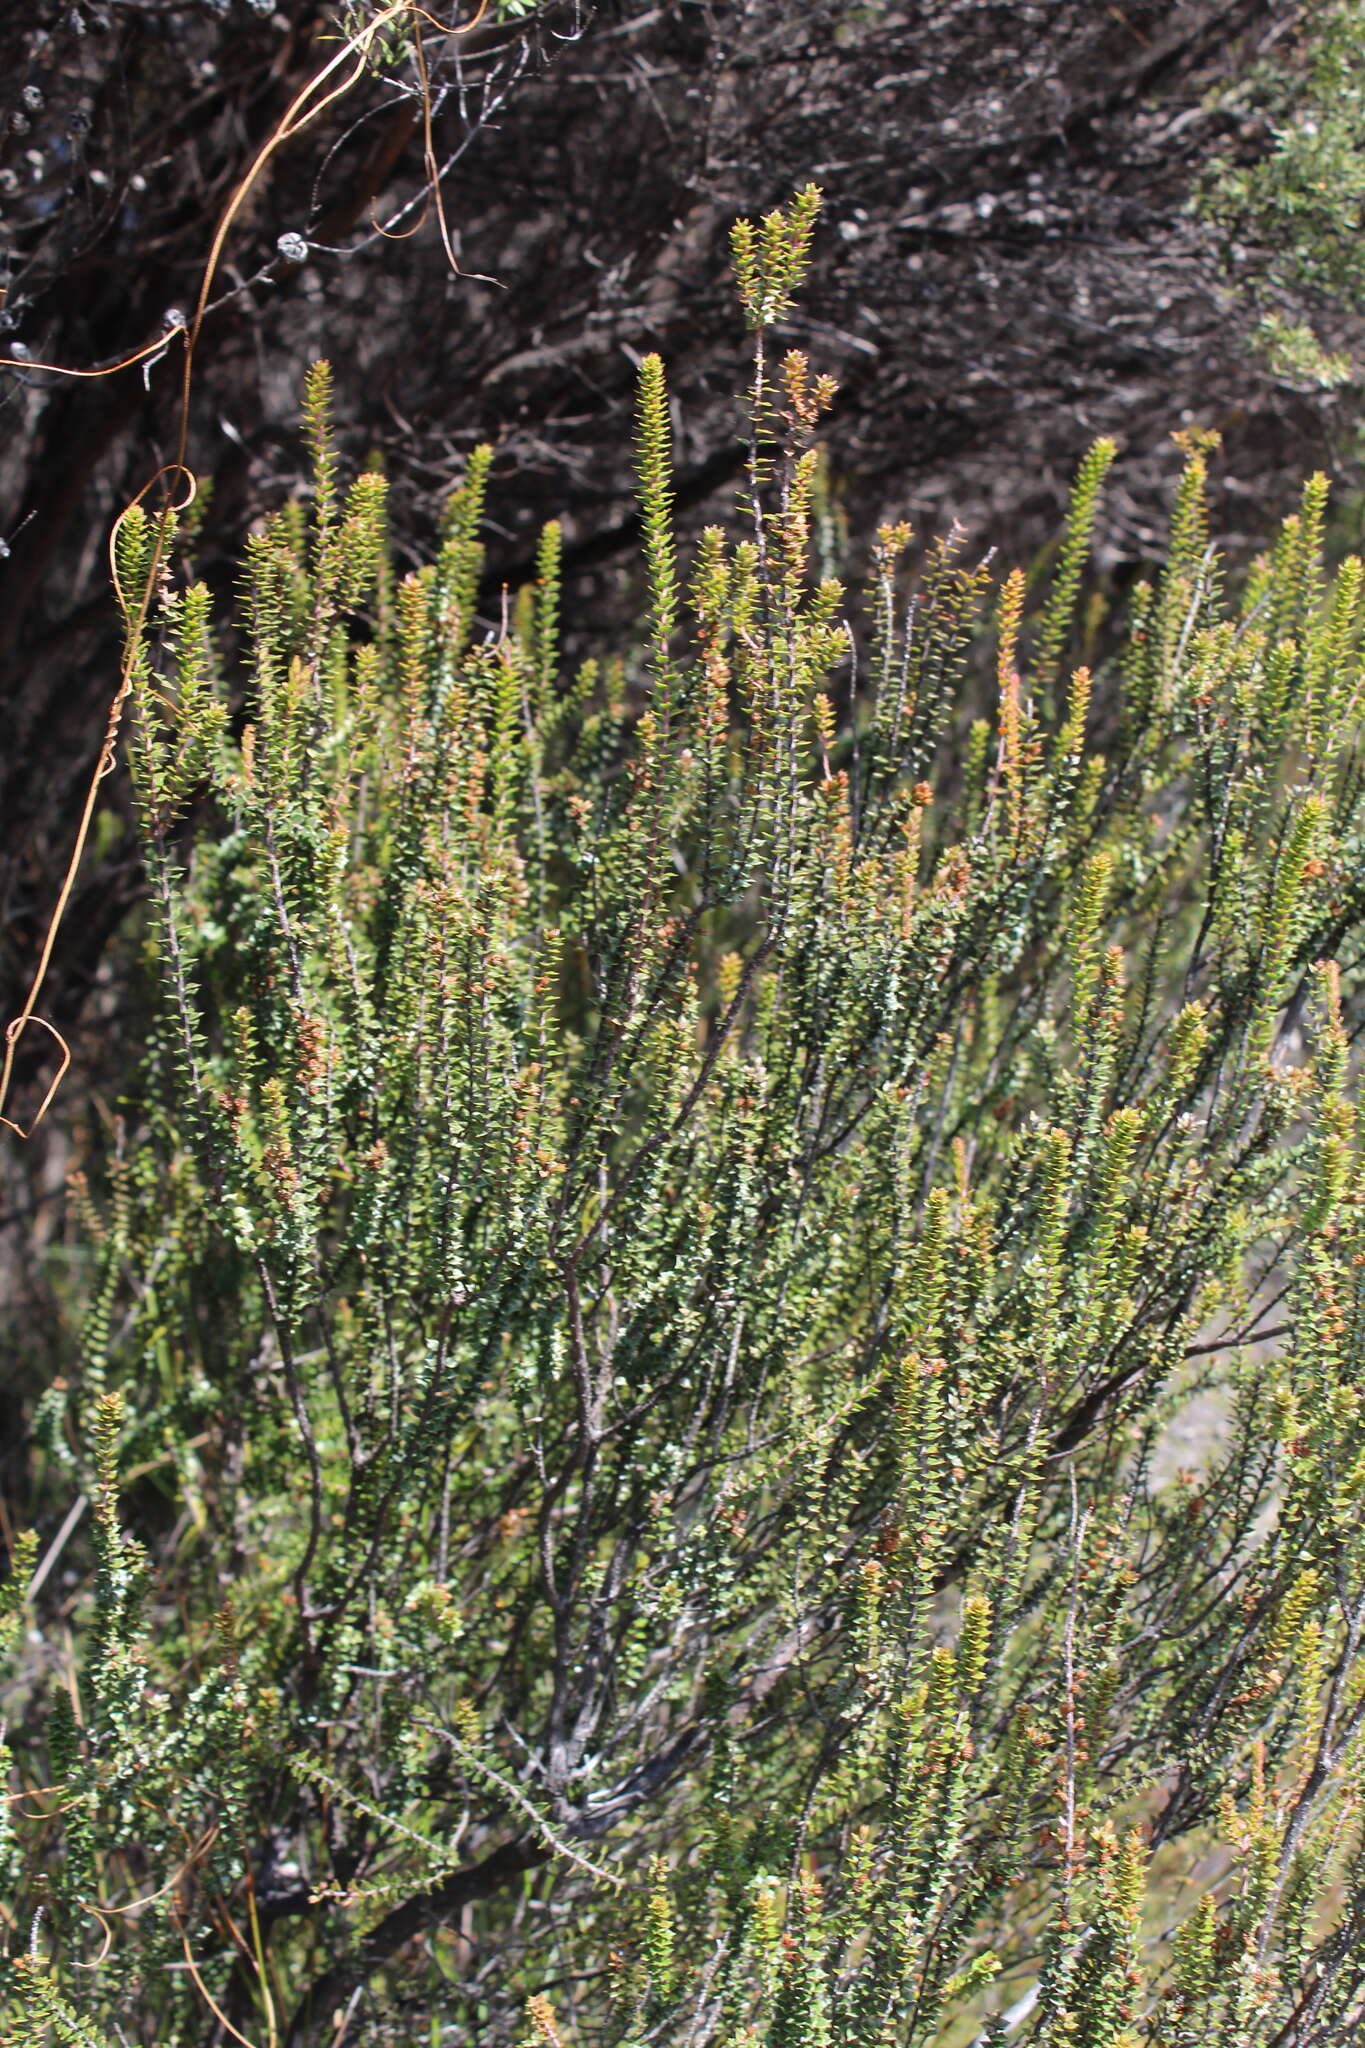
pixel 640 1309
pixel 1289 219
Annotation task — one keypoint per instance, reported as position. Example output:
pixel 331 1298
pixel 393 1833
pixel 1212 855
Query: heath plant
pixel 675 1218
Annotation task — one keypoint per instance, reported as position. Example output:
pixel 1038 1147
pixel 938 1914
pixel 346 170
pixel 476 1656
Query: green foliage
pixel 772 257
pixel 1298 204
pixel 1296 355
pixel 637 1317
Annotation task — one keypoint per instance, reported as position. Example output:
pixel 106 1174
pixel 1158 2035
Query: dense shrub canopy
pixel 1010 267
pixel 637 1319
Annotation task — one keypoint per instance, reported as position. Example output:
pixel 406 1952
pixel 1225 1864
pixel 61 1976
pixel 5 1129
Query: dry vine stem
pixel 311 101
